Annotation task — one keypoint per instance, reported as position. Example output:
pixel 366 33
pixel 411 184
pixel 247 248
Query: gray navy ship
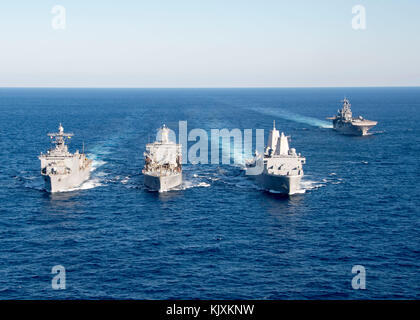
pixel 344 122
pixel 162 169
pixel 61 169
pixel 282 168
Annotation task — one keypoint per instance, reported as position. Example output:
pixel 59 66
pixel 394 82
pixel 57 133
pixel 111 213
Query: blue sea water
pixel 219 236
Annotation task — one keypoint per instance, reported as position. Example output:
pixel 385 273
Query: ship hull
pixel 66 182
pixel 162 183
pixel 350 129
pixel 282 184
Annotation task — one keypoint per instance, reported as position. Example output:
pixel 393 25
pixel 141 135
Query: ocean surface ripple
pixel 218 236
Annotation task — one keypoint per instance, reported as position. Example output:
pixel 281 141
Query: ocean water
pixel 219 236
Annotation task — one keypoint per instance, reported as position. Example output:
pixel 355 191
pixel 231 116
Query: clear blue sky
pixel 212 43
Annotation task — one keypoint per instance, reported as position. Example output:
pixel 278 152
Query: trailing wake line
pixel 281 113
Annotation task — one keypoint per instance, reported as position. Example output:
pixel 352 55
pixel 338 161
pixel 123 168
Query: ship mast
pixel 59 138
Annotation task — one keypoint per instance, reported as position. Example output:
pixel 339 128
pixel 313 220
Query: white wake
pixel 284 114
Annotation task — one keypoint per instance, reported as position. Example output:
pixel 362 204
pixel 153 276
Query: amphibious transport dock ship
pixel 281 167
pixel 162 169
pixel 61 169
pixel 344 122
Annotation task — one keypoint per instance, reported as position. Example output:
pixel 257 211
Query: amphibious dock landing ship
pixel 162 169
pixel 61 169
pixel 344 122
pixel 281 167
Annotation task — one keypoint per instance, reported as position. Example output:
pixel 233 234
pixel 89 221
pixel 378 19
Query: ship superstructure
pixel 344 122
pixel 61 169
pixel 162 169
pixel 282 168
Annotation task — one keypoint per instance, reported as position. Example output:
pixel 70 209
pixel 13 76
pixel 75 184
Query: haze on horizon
pixel 190 43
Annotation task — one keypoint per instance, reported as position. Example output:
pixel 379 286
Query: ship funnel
pixel 282 147
pixel 273 137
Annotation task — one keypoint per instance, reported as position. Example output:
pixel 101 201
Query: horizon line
pixel 206 87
